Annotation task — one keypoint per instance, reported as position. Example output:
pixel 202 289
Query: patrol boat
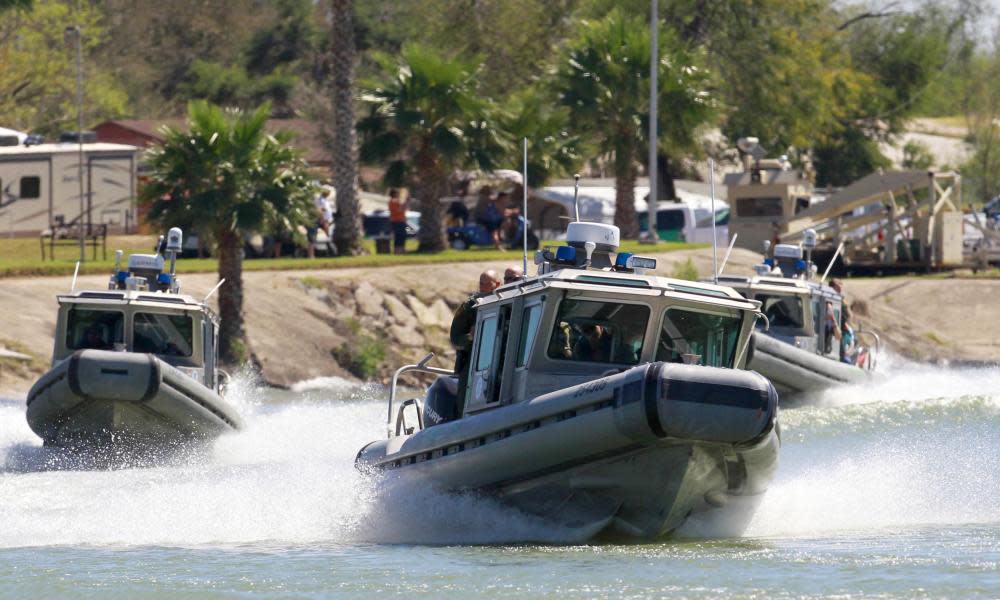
pixel 598 396
pixel 133 365
pixel 799 352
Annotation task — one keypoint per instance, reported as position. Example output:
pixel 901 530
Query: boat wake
pixel 915 450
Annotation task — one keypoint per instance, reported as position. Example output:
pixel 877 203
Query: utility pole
pixel 73 33
pixel 652 205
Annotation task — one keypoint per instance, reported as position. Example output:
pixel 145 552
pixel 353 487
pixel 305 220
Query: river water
pixel 891 490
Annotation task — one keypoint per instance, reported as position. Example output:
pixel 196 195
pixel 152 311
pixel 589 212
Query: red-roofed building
pixel 308 136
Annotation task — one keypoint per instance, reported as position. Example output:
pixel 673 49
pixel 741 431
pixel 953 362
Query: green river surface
pixel 890 490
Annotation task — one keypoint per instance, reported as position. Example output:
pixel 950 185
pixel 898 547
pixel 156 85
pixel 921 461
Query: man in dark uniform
pixel 462 325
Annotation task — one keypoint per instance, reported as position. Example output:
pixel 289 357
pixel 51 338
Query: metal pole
pixel 524 211
pixel 652 206
pixel 715 240
pixel 79 130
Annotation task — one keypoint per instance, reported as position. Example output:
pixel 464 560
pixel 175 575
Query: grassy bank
pixel 21 257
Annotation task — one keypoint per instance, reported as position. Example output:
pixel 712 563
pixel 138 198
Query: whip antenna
pixel 524 211
pixel 715 241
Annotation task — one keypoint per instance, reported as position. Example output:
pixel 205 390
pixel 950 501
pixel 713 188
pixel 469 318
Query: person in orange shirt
pixel 397 218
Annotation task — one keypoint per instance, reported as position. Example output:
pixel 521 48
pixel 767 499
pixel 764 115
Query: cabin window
pixel 163 334
pixel 487 340
pixel 600 332
pixel 94 329
pixel 699 338
pixel 758 207
pixel 801 204
pixel 31 188
pixel 529 329
pixel 782 311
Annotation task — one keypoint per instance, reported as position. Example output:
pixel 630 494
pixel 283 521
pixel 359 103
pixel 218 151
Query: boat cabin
pixel 589 313
pixel 144 312
pixel 796 307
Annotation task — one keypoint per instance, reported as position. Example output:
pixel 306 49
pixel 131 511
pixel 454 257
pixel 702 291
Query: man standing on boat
pixel 463 323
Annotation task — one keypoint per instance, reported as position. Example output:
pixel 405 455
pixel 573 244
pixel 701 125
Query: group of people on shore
pixel 497 213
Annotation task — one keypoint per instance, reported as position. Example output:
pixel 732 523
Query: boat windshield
pixel 88 328
pixel 699 338
pixel 601 332
pixel 782 310
pixel 163 334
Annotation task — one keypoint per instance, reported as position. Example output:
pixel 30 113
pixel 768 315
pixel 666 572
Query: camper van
pixel 39 187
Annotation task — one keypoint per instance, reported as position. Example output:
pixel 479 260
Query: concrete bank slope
pixel 362 323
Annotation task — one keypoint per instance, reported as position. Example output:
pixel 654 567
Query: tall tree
pixel 604 81
pixel 38 70
pixel 347 223
pixel 426 120
pixel 229 174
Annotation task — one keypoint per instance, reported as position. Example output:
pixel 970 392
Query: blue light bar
pixel 566 254
pixel 621 261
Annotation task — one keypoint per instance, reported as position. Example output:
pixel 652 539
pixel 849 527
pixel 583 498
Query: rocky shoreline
pixel 363 323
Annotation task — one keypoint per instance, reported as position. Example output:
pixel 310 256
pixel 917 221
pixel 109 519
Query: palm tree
pixel 425 121
pixel 604 81
pixel 347 223
pixel 554 149
pixel 230 177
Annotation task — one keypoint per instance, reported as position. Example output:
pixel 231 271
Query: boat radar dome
pixel 604 237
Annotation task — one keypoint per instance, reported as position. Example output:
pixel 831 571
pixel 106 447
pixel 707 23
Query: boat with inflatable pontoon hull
pixel 796 371
pixel 631 454
pixel 594 394
pixel 802 350
pixel 99 397
pixel 135 365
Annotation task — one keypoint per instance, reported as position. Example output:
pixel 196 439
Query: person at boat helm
pixel 92 338
pixel 463 323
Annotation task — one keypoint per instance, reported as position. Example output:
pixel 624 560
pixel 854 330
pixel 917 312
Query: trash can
pixel 383 244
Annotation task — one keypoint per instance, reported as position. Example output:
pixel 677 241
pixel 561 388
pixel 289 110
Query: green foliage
pixel 226 174
pixel 917 156
pixel 685 270
pixel 38 68
pixel 554 149
pixel 604 82
pixel 363 353
pixel 424 121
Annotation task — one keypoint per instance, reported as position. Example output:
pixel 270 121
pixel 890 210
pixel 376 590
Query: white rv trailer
pixel 39 187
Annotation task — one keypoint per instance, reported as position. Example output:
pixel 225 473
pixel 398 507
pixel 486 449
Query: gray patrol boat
pixel 133 365
pixel 799 352
pixel 598 396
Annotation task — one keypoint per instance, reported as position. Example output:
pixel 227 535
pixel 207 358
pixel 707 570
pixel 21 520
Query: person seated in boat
pixel 462 324
pixel 593 344
pixel 94 339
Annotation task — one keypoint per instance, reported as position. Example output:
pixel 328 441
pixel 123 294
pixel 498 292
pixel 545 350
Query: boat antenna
pixel 576 196
pixel 832 260
pixel 212 292
pixel 725 259
pixel 524 211
pixel 715 241
pixel 72 285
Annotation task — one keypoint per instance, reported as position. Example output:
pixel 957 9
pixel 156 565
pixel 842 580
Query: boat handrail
pixel 421 367
pixel 878 346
